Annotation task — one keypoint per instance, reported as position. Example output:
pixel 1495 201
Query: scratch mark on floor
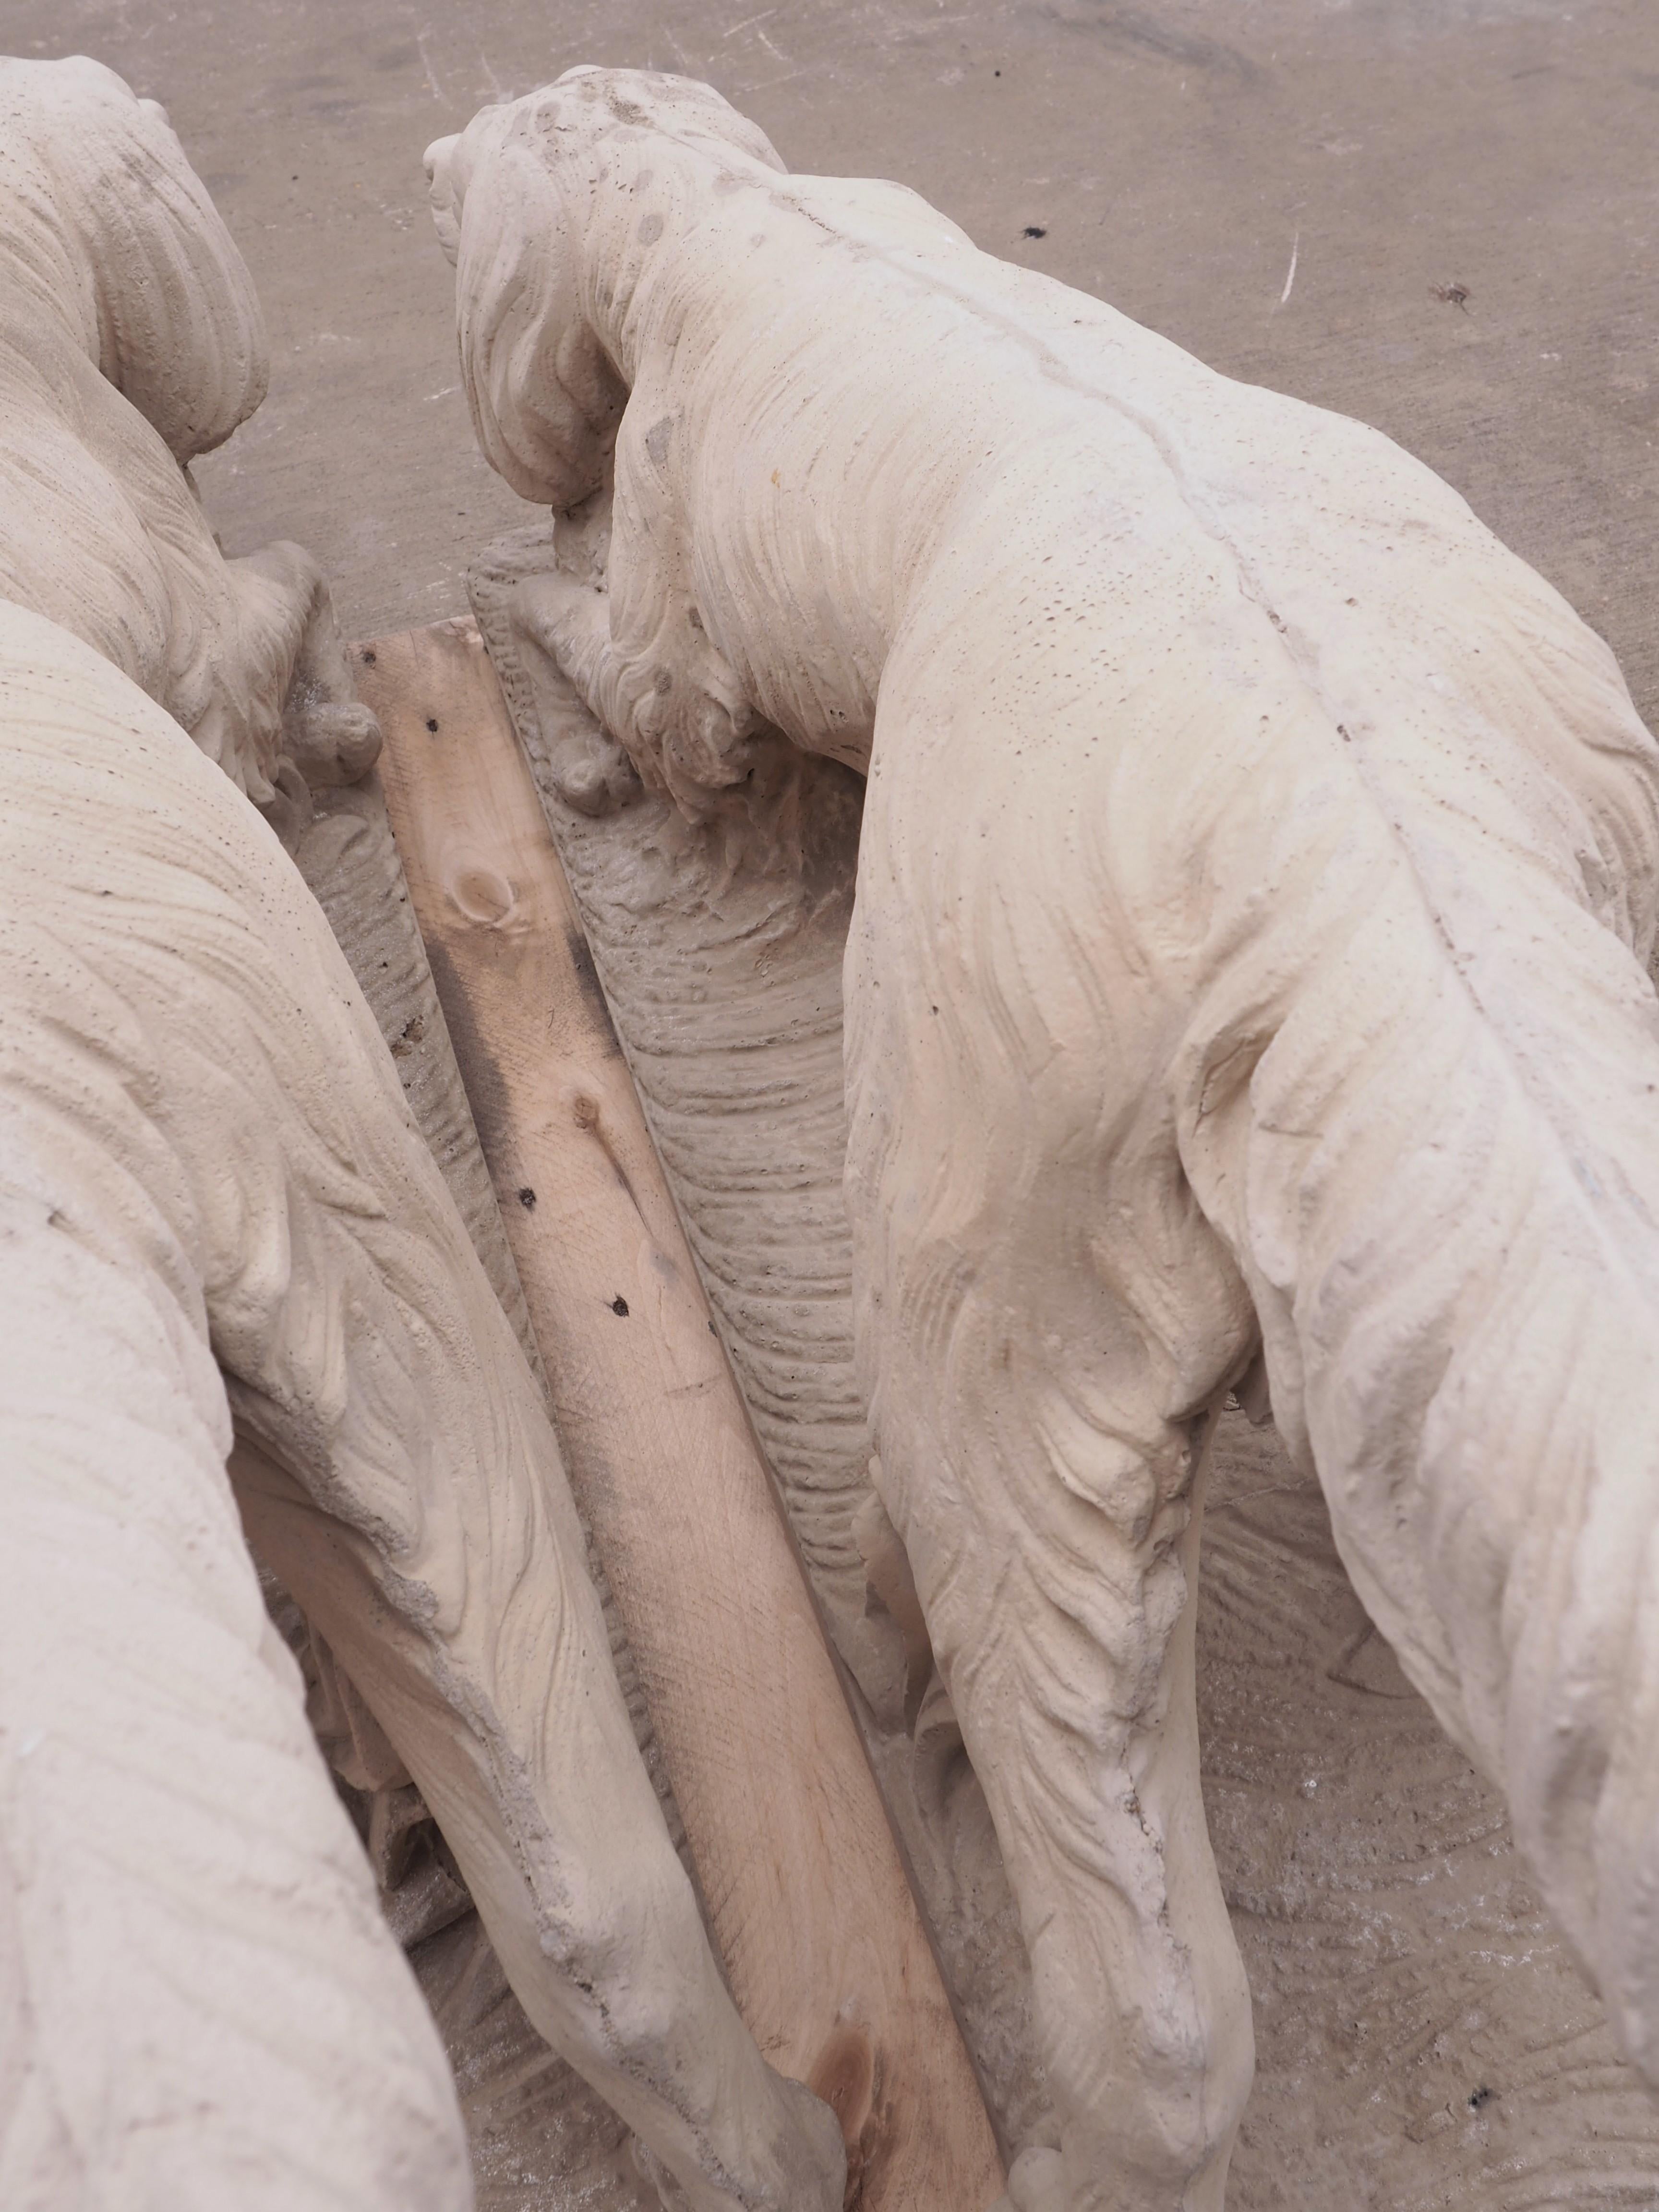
pixel 420 38
pixel 1290 274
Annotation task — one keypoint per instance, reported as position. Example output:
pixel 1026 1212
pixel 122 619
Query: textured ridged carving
pixel 1257 869
pixel 209 1171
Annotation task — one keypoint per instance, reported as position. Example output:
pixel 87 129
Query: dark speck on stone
pixel 1034 230
pixel 369 656
pixel 619 1305
pixel 527 1198
pixel 432 724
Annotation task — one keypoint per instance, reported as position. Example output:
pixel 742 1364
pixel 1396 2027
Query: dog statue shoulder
pixel 1257 875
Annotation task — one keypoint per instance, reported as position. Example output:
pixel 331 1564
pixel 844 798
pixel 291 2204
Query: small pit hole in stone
pixel 527 1199
pixel 619 1305
pixel 368 655
pixel 432 724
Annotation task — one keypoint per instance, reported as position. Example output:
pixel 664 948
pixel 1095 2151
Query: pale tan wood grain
pixel 820 1937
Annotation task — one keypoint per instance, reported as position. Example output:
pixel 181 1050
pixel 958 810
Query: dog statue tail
pixel 1446 1200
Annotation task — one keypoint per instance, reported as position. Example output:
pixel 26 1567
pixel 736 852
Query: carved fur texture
pixel 217 1209
pixel 1256 881
pixel 216 1206
pixel 131 341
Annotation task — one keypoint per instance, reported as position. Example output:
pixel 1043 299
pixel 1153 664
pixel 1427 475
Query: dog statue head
pixel 104 231
pixel 546 396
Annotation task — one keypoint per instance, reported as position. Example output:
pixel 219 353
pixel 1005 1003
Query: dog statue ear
pixel 546 400
pixel 172 319
pixel 447 169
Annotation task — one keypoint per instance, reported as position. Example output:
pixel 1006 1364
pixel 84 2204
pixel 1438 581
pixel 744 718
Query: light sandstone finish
pixel 207 1159
pixel 1420 2028
pixel 1256 874
pixel 1419 2025
pixel 219 1211
pixel 198 2000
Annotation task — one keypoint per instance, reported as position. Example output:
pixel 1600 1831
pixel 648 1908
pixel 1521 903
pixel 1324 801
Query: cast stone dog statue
pixel 222 1234
pixel 1258 870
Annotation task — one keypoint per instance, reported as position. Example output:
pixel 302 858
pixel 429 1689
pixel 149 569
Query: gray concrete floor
pixel 1177 153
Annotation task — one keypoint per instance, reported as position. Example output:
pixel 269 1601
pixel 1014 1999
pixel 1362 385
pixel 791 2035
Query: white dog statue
pixel 1257 874
pixel 220 1234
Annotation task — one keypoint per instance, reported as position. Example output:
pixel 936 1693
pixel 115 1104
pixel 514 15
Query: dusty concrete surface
pixel 1174 153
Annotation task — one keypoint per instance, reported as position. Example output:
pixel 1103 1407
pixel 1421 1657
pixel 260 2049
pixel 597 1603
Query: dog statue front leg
pixel 1148 2111
pixel 564 626
pixel 1033 1384
pixel 615 620
pixel 288 618
pixel 1069 1657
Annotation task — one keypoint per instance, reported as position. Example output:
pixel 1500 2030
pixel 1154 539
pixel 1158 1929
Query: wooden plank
pixel 821 1939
